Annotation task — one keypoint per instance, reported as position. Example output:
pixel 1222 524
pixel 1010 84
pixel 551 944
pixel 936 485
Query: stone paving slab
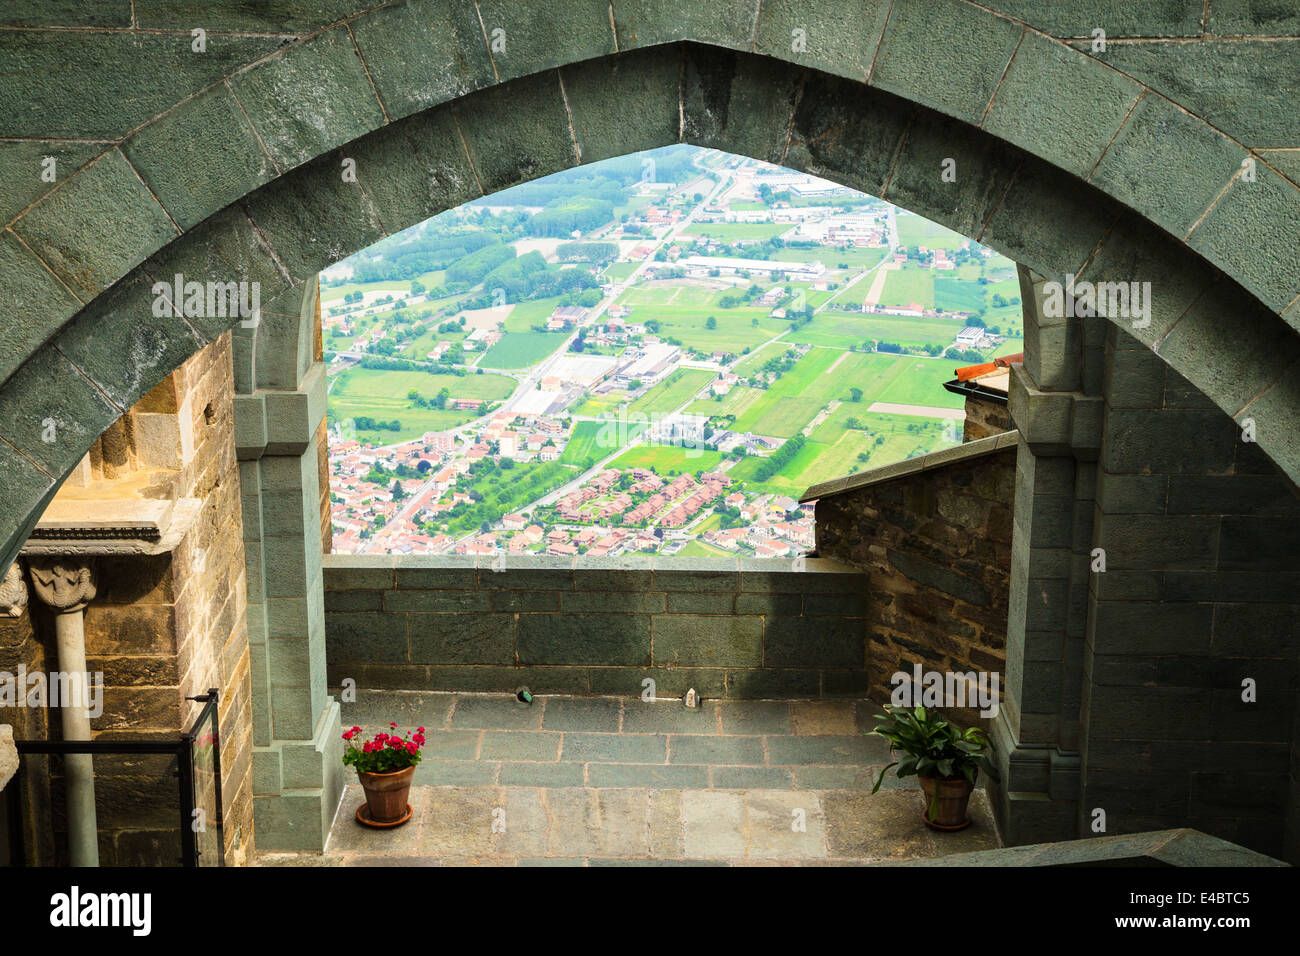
pixel 598 781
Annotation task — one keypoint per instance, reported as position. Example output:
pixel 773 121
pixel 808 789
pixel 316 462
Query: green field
pixel 916 231
pixel 731 231
pixel 908 285
pixel 667 459
pixel 853 328
pixel 522 349
pixel 919 381
pixel 592 441
pixel 381 394
pixel 673 392
pixel 702 549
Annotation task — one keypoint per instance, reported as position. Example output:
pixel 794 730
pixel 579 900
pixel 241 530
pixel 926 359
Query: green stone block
pixel 283 16
pixel 1026 226
pixel 1086 100
pixel 28 489
pixel 52 412
pixel 601 714
pixel 1245 88
pixel 1173 441
pixel 584 639
pixel 1276 427
pixel 313 219
pixel 814 642
pixel 731 751
pixel 200 157
pixel 687 602
pixel 614 748
pixel 602 95
pixel 1136 251
pixel 629 572
pixel 760 602
pixel 725 23
pixel 697 640
pixel 345 572
pixel 520 745
pixel 266 772
pixel 541 775
pixel 456 773
pixel 421 54
pixel 66 13
pixel 835 37
pixel 709 682
pixel 1235 347
pixel 527 602
pixel 40 303
pixel 696 574
pixel 97 227
pixel 612 601
pixel 1251 217
pixel 224 248
pixel 87 84
pixel 291 822
pixel 668 717
pixel 517 132
pixel 529 573
pixel 25 161
pixel 846 133
pixel 745 717
pixel 429 572
pixel 647 775
pixel 750 778
pixel 1120 18
pixel 414 169
pixel 823 751
pixel 437 601
pixel 740 104
pixel 362 638
pixel 773 684
pixel 310 98
pixel 543 680
pixel 1167 165
pixel 354 600
pixel 473 638
pixel 495 712
pixel 530 38
pixel 984 168
pixel 945 55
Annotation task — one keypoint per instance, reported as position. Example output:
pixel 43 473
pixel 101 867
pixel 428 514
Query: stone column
pixel 1055 403
pixel 67 585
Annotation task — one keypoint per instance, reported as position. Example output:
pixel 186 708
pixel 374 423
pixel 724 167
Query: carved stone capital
pixel 13 592
pixel 65 583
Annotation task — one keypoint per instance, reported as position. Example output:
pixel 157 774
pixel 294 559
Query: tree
pixel 397 492
pixel 855 394
pixel 710 323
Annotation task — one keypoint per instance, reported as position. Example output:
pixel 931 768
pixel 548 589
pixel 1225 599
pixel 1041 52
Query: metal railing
pixel 192 817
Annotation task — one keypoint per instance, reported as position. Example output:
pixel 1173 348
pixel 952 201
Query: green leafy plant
pixel 934 747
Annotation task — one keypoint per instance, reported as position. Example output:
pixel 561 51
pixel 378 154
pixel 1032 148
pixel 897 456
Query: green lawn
pixel 918 231
pixel 908 285
pixel 522 349
pixel 381 394
pixel 672 392
pixel 592 441
pixel 843 329
pixel 667 459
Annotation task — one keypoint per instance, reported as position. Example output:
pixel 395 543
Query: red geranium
pixel 385 753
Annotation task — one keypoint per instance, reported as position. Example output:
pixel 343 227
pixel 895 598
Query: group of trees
pixel 438 401
pixel 779 458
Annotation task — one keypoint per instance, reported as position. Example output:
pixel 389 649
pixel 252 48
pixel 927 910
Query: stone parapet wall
pixel 933 537
pixel 728 628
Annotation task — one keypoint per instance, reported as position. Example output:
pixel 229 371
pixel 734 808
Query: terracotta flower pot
pixel 946 802
pixel 386 793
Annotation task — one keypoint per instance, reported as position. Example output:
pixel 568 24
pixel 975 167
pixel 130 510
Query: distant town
pixel 654 354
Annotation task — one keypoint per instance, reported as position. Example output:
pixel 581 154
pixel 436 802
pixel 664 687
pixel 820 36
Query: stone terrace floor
pixel 608 781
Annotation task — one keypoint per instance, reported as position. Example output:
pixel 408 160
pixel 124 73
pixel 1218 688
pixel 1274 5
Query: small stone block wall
pixel 742 628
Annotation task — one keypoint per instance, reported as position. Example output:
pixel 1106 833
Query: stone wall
pixel 729 628
pixel 163 626
pixel 933 535
pixel 985 417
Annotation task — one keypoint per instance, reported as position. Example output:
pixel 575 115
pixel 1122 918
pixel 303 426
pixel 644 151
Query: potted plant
pixel 385 765
pixel 946 759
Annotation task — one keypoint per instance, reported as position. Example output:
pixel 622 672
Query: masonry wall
pixel 728 628
pixel 985 417
pixel 162 628
pixel 935 546
pixel 1201 593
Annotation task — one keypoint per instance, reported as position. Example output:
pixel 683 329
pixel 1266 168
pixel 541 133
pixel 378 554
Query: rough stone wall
pixel 749 629
pixel 168 626
pixel 985 418
pixel 936 548
pixel 1201 592
pixel 20 646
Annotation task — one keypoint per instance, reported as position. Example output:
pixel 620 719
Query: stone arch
pixel 1018 191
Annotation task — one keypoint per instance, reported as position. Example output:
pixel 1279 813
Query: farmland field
pixel 522 349
pixel 910 284
pixel 381 394
pixel 667 459
pixel 915 231
pixel 592 441
pixel 672 392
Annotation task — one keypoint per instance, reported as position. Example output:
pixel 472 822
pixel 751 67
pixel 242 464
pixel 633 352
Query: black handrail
pixel 182 749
